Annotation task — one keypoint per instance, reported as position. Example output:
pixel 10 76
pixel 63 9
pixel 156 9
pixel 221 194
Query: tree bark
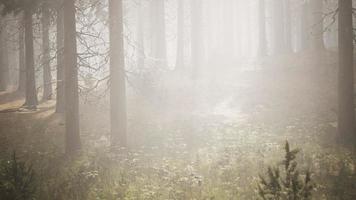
pixel 288 27
pixel 196 37
pixel 118 114
pixel 160 33
pixel 4 57
pixel 31 93
pixel 262 37
pixel 346 115
pixel 228 27
pixel 3 70
pixel 22 66
pixel 317 33
pixel 71 79
pixel 278 26
pixel 60 68
pixel 180 36
pixel 304 26
pixel 140 36
pixel 2 75
pixel 47 77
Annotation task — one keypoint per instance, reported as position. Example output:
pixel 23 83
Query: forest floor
pixel 210 139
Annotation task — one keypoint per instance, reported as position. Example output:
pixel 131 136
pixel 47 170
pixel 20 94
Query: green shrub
pixel 17 180
pixel 286 184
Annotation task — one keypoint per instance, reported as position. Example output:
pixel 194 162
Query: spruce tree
pixel 286 184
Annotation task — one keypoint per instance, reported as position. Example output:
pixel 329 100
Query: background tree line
pixel 68 48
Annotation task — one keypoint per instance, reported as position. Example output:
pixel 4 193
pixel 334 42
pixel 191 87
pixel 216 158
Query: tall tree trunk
pixel 262 37
pixel 3 65
pixel 2 74
pixel 278 26
pixel 71 79
pixel 5 57
pixel 22 66
pixel 346 115
pixel 304 26
pixel 228 27
pixel 60 68
pixel 288 26
pixel 196 37
pixel 31 93
pixel 140 36
pixel 160 33
pixel 317 33
pixel 117 75
pixel 47 77
pixel 180 36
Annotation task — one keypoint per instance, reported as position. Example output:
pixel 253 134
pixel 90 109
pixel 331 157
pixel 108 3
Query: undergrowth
pixel 228 173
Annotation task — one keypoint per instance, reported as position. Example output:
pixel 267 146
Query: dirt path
pixel 21 128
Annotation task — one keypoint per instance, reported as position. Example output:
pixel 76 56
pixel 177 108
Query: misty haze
pixel 177 100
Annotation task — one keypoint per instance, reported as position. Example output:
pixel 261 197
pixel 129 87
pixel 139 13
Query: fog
pixel 177 99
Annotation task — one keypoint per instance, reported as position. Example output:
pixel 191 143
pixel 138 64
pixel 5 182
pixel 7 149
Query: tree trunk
pixel 317 33
pixel 346 115
pixel 71 79
pixel 117 75
pixel 47 77
pixel 2 74
pixel 31 93
pixel 5 57
pixel 278 26
pixel 228 27
pixel 288 27
pixel 196 40
pixel 180 36
pixel 60 68
pixel 140 36
pixel 22 66
pixel 304 26
pixel 262 50
pixel 160 33
pixel 3 70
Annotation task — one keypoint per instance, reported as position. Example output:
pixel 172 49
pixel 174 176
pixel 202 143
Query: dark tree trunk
pixel 2 70
pixel 117 75
pixel 180 37
pixel 60 68
pixel 71 79
pixel 5 58
pixel 22 66
pixel 47 77
pixel 346 115
pixel 262 37
pixel 3 64
pixel 31 93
